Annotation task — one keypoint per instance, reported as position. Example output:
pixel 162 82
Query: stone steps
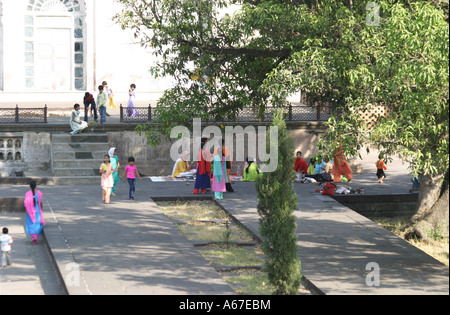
pixel 76 159
pixel 74 163
pixel 81 147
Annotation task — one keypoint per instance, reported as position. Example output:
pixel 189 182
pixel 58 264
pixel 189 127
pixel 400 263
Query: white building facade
pixel 55 50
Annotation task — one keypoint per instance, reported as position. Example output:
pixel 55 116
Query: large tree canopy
pixel 229 54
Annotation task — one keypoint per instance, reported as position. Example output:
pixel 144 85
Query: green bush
pixel 276 202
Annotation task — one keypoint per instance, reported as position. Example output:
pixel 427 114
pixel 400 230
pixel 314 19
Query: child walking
pixel 131 172
pixel 6 241
pixel 106 169
pixel 381 167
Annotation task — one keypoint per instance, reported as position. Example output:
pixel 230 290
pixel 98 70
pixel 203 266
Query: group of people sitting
pixel 321 169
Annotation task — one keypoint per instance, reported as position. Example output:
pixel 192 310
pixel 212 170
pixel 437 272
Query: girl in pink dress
pixel 106 169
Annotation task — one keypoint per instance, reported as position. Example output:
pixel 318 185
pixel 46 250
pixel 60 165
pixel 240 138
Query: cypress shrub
pixel 276 202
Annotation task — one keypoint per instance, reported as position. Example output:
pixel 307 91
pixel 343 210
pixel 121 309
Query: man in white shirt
pixel 6 241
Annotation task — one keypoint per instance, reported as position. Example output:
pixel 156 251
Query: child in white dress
pixel 131 105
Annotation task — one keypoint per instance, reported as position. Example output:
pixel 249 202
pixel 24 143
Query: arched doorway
pixel 55 45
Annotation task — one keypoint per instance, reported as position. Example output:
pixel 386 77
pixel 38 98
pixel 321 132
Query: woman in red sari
pixel 203 178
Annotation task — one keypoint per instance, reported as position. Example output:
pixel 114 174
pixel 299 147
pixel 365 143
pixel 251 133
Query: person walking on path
pixel 114 159
pixel 35 222
pixel 381 167
pixel 76 123
pixel 102 100
pixel 89 105
pixel 131 173
pixel 6 241
pixel 107 182
pixel 131 105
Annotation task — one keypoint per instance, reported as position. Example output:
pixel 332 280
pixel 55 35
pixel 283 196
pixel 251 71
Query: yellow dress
pixel 180 167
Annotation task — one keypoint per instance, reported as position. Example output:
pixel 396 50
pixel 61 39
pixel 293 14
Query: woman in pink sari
pixel 35 222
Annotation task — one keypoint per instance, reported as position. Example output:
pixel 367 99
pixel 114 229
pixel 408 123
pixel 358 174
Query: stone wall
pixel 36 151
pixel 156 161
pixel 35 155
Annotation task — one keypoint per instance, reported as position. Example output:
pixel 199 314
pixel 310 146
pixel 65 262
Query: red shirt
pixel 301 166
pixel 380 165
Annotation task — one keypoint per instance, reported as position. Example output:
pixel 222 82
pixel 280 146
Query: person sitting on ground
pixel 76 123
pixel 320 166
pixel 181 165
pixel 312 167
pixel 300 167
pixel 251 171
pixel 326 175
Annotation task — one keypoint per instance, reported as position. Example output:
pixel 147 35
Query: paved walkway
pixel 336 244
pixel 133 248
pixel 32 271
pixel 122 248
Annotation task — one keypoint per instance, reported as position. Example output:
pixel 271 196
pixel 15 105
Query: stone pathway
pixel 32 271
pixel 133 248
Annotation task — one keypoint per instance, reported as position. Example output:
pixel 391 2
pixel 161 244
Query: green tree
pixel 401 63
pixel 276 202
pixel 229 54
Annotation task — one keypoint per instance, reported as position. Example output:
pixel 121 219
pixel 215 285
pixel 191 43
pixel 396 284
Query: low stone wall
pixel 36 150
pixel 381 206
pixel 35 154
pixel 157 162
pixel 12 205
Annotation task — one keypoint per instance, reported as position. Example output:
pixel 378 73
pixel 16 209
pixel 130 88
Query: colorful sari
pixel 219 177
pixel 341 167
pixel 35 222
pixel 114 159
pixel 202 180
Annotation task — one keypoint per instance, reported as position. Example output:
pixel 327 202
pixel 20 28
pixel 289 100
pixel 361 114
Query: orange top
pixel 380 165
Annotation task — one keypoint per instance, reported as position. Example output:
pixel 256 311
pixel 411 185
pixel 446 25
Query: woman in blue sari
pixel 35 222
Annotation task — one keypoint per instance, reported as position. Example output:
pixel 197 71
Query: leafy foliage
pixel 229 54
pixel 401 64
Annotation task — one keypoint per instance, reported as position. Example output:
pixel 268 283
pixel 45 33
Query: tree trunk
pixel 431 220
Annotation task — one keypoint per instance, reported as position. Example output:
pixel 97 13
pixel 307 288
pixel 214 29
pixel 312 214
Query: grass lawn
pixel 229 247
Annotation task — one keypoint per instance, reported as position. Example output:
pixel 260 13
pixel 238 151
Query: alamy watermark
pixel 373 17
pixel 256 142
pixel 373 277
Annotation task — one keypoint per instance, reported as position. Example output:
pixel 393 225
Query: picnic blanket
pixel 163 179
